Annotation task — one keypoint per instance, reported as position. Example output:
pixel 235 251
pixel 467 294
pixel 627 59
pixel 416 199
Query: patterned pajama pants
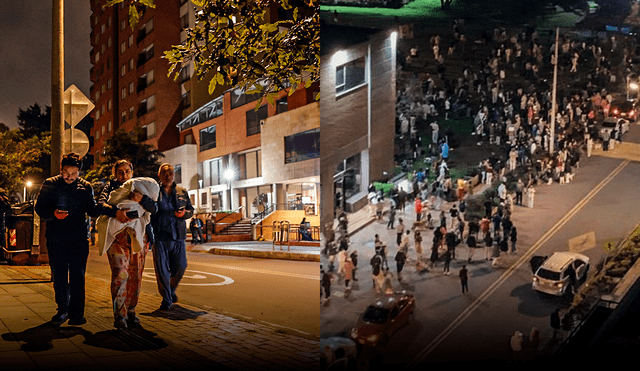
pixel 126 274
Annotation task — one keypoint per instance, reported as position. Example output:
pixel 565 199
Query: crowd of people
pixel 502 87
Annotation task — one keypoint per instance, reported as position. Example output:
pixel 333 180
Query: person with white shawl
pixel 127 204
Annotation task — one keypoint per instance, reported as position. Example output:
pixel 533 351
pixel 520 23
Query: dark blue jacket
pixel 166 226
pixel 76 198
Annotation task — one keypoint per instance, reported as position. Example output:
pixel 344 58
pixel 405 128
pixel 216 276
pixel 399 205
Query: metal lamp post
pixel 228 175
pixel 24 194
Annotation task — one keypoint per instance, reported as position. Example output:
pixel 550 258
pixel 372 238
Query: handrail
pixel 263 214
pixel 229 214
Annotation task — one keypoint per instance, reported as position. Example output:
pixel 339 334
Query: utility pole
pixel 552 132
pixel 57 85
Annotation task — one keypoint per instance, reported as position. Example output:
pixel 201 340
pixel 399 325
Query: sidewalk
pixel 185 338
pixel 260 250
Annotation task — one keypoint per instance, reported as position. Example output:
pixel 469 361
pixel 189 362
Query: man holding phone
pixel 170 229
pixel 64 203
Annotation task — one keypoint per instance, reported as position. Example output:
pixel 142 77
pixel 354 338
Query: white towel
pixel 108 228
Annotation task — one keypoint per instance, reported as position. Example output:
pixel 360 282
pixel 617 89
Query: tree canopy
pixel 20 156
pixel 235 43
pixel 126 145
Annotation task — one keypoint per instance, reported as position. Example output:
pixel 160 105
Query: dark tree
pixel 125 145
pixel 34 121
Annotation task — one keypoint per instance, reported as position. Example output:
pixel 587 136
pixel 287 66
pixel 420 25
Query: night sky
pixel 25 53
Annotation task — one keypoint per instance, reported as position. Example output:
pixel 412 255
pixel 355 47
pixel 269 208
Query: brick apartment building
pixel 130 84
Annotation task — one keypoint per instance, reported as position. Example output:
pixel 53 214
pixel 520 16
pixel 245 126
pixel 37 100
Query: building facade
pixel 130 86
pixel 357 144
pixel 251 161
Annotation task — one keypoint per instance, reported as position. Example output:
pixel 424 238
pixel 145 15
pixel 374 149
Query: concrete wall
pixel 361 120
pixel 187 156
pixel 274 130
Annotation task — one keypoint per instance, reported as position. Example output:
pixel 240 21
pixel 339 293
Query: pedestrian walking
pixel 325 283
pixel 447 262
pixel 471 245
pixel 554 322
pixel 454 213
pixel 488 246
pixel 519 191
pixel 400 259
pixel 514 239
pixel 342 259
pixel 399 231
pixel 377 275
pixel 348 272
pixel 64 202
pixel 534 339
pixel 392 217
pixel 127 248
pixel 354 259
pixel 196 230
pixel 433 258
pixel 170 229
pixel 418 208
pixel 464 279
pixel 531 192
pixel 516 345
pixel 417 237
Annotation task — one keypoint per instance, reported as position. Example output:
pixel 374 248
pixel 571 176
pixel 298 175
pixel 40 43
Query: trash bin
pixel 24 236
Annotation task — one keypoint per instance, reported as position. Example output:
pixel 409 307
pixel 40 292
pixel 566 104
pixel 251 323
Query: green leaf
pixel 212 85
pixel 149 3
pixel 133 16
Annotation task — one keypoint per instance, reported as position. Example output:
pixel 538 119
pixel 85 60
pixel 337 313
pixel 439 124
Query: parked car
pixel 561 273
pixel 338 353
pixel 383 318
pixel 626 110
pixel 611 122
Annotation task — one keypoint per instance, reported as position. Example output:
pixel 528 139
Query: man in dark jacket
pixel 64 202
pixel 170 229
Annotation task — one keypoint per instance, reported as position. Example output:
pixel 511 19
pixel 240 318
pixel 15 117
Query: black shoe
pixel 59 318
pixel 165 306
pixel 77 321
pixel 132 319
pixel 174 298
pixel 120 323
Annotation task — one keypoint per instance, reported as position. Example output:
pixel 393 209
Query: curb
pixel 282 255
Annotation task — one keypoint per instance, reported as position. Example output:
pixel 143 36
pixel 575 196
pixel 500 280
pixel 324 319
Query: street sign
pixel 79 143
pixel 76 105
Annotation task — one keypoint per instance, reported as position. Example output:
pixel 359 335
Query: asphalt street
pixel 500 301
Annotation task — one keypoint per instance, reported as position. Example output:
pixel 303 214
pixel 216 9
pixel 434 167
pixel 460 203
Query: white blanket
pixel 108 228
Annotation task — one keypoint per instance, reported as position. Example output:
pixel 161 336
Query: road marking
pixel 202 276
pixel 524 258
pixel 262 271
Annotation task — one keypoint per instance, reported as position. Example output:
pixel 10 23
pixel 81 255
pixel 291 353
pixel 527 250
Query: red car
pixel 383 318
pixel 626 110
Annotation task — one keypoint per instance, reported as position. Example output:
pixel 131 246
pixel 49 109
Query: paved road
pixel 278 293
pixel 477 326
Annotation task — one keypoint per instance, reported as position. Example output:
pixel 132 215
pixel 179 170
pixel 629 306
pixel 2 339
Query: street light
pixel 24 194
pixel 631 84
